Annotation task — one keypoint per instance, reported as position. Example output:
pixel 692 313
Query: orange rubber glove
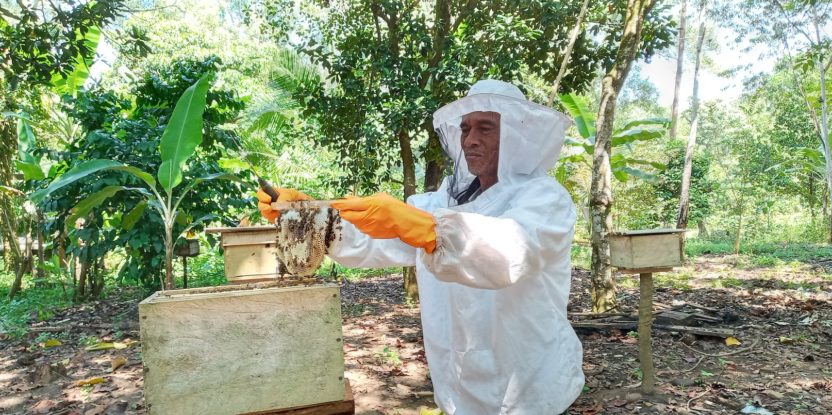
pixel 382 216
pixel 284 195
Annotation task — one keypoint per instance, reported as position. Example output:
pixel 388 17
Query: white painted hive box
pixel 646 249
pixel 243 350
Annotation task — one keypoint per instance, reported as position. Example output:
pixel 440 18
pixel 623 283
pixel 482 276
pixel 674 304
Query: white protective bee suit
pixel 494 292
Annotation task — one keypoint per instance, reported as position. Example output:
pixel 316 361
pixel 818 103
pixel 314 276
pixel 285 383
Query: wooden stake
pixel 645 321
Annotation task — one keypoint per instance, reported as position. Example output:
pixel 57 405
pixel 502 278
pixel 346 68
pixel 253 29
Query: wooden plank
pixel 674 318
pixel 711 319
pixel 702 307
pixel 238 350
pixel 345 407
pixel 247 279
pixel 633 325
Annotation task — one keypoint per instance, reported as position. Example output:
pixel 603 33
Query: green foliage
pixel 766 252
pixel 331 269
pixel 27 162
pixel 582 115
pixel 85 169
pixel 45 40
pixel 207 269
pixel 390 65
pixel 70 82
pixel 622 139
pixel 29 306
pixel 127 131
pixel 669 183
pixel 182 134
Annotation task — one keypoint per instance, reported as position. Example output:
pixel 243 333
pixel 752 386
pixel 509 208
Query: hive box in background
pixel 250 253
pixel 646 249
pixel 233 349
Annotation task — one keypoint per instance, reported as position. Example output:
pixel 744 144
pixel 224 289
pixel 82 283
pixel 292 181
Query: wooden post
pixel 645 322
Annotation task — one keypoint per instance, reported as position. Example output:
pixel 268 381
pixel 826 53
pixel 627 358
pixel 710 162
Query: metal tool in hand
pixel 270 190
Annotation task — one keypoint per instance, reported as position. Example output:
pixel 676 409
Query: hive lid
pixel 240 229
pixel 648 232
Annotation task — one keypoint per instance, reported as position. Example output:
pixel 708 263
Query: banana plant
pixel 623 166
pixel 180 139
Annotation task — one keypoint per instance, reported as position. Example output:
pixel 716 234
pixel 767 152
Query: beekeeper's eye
pixel 466 128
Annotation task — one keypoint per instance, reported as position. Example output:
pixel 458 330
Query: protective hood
pixel 531 135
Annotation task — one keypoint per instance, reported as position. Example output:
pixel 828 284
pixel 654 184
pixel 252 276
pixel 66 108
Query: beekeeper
pixel 491 249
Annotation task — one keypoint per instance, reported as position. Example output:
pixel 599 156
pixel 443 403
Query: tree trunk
pixel 684 194
pixel 408 165
pixel 703 230
pixel 680 60
pixel 603 285
pixel 28 254
pixel 98 280
pixel 823 66
pixel 41 253
pixel 24 262
pixel 83 272
pixel 567 54
pixel 434 159
pixel 738 236
pixel 18 282
pixel 411 288
pixel 8 221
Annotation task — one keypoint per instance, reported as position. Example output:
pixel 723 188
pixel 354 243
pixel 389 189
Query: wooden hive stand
pixel 644 252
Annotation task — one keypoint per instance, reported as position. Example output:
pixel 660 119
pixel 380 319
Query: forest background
pixel 336 97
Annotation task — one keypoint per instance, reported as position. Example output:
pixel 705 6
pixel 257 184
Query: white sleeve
pixel 354 249
pixel 494 252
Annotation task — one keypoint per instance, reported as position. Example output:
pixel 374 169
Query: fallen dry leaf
pixel 43 407
pixel 110 345
pixel 732 341
pixel 90 381
pixel 51 343
pixel 117 362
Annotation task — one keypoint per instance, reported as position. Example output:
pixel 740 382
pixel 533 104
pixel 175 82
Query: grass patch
pixel 677 280
pixel 581 255
pixel 31 304
pixel 725 282
pixel 331 269
pixel 761 254
pixel 627 281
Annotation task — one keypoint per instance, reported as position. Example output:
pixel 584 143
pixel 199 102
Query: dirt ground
pixel 782 316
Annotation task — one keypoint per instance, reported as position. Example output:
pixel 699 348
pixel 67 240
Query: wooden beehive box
pixel 250 253
pixel 234 349
pixel 646 249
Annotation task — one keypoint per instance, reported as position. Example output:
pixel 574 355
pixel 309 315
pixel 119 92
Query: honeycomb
pixel 303 235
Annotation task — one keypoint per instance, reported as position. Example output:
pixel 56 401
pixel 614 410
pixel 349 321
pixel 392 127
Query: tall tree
pixel 684 194
pixel 680 61
pixel 603 285
pixel 42 44
pixel 796 29
pixel 567 54
pixel 392 63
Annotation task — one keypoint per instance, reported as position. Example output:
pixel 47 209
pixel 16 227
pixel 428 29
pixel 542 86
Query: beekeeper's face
pixel 481 144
